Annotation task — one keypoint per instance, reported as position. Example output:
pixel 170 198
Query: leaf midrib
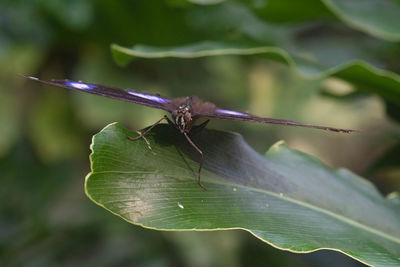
pixel 339 217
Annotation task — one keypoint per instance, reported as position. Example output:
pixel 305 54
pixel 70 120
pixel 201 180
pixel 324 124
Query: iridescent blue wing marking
pixel 225 114
pixel 230 112
pixel 144 99
pixel 153 98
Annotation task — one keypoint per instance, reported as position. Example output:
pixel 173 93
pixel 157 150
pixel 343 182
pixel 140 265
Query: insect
pixel 184 111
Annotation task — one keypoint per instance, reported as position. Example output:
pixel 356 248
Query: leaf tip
pixel 119 57
pixel 277 146
pixel 394 197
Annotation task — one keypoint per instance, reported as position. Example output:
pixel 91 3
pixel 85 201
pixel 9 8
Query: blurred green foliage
pixel 45 134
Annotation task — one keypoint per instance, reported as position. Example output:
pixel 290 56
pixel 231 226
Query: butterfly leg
pixel 171 123
pixel 148 129
pixel 201 161
pixel 145 139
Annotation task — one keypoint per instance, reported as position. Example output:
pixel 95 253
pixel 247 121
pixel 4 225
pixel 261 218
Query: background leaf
pixel 378 18
pixel 316 50
pixel 362 75
pixel 288 199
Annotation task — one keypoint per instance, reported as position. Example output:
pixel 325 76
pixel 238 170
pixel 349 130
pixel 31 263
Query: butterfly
pixel 184 111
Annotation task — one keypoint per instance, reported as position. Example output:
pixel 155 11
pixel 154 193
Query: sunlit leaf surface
pixel 287 198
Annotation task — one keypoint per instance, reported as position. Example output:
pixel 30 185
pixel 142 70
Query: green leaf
pixel 369 79
pixel 124 55
pixel 206 2
pixel 376 17
pixel 364 76
pixel 315 50
pixel 75 15
pixel 287 198
pixel 291 11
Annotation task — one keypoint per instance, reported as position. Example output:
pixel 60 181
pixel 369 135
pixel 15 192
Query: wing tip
pixel 342 130
pixel 29 77
pixel 32 78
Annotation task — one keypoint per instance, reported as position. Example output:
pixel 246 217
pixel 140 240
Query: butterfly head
pixel 183 117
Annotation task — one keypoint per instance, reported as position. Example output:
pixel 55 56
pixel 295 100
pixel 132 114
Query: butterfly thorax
pixel 182 117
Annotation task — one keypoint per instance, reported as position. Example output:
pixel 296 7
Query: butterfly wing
pixel 224 114
pixel 144 99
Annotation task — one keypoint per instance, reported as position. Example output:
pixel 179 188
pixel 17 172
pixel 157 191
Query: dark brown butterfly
pixel 184 111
